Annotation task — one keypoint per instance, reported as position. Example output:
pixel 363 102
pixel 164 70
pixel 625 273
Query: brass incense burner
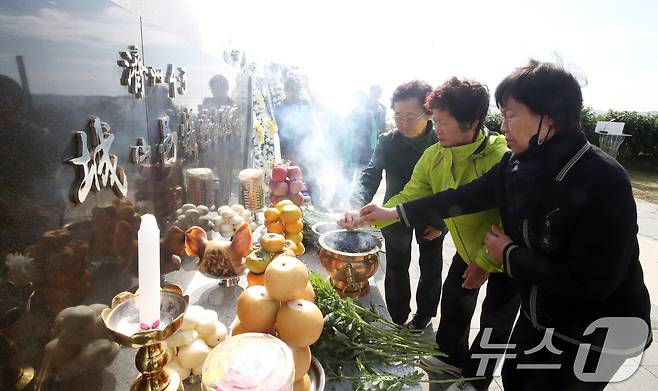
pixel 350 258
pixel 122 320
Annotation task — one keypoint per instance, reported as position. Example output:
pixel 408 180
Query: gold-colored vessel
pixel 122 320
pixel 350 258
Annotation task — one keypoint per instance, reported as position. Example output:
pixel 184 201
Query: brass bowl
pixel 318 229
pixel 350 258
pixel 122 321
pixel 324 227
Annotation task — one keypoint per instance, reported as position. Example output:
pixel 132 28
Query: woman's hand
pixel 496 241
pixel 431 233
pixel 474 276
pixel 349 220
pixel 373 212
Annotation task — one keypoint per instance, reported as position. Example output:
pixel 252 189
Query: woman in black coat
pixel 570 238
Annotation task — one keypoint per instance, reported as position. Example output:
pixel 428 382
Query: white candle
pixel 148 300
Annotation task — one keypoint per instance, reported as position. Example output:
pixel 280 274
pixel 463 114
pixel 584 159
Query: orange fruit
pixel 272 214
pixel 300 249
pixel 272 243
pixel 279 205
pixel 255 279
pixel 295 227
pixel 290 245
pixel 258 260
pixel 286 251
pixel 297 238
pixel 291 213
pixel 275 227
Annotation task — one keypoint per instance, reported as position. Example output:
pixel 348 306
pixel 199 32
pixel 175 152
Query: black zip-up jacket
pixel 395 154
pixel 569 209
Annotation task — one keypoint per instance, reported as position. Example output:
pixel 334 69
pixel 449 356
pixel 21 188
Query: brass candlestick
pixel 122 320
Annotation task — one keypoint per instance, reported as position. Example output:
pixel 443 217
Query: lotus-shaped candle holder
pixel 122 320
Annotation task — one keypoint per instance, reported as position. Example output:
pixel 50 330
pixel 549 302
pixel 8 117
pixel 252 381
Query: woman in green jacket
pixel 466 150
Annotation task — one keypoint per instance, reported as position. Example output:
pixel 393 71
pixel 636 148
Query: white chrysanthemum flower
pixel 20 268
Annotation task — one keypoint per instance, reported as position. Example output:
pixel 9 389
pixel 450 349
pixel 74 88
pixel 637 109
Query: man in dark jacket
pixel 570 238
pixel 396 153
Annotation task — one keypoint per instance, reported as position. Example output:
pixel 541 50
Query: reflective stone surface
pixel 71 208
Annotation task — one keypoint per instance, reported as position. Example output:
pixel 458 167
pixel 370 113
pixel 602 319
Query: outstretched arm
pixel 473 197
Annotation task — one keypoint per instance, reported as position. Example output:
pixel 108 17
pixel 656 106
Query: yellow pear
pixel 302 385
pixel 285 278
pixel 302 357
pixel 256 309
pixel 299 323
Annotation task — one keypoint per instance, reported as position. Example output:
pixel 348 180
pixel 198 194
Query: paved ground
pixel 646 377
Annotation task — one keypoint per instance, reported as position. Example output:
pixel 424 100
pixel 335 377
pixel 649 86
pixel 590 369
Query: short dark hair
pixel 466 100
pixel 220 80
pixel 547 89
pixel 414 89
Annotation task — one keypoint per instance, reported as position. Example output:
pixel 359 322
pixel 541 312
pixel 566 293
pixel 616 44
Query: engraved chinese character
pixel 153 76
pixel 168 142
pixel 188 133
pixel 175 80
pixel 133 71
pixel 235 58
pixel 97 167
pixel 204 138
pixel 140 152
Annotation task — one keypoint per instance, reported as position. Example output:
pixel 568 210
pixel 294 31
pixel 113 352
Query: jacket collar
pixel 466 151
pixel 427 138
pixel 579 147
pixel 556 156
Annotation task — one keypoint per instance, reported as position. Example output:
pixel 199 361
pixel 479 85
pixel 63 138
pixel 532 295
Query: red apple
pixel 279 173
pixel 298 199
pixel 296 186
pixel 279 188
pixel 294 172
